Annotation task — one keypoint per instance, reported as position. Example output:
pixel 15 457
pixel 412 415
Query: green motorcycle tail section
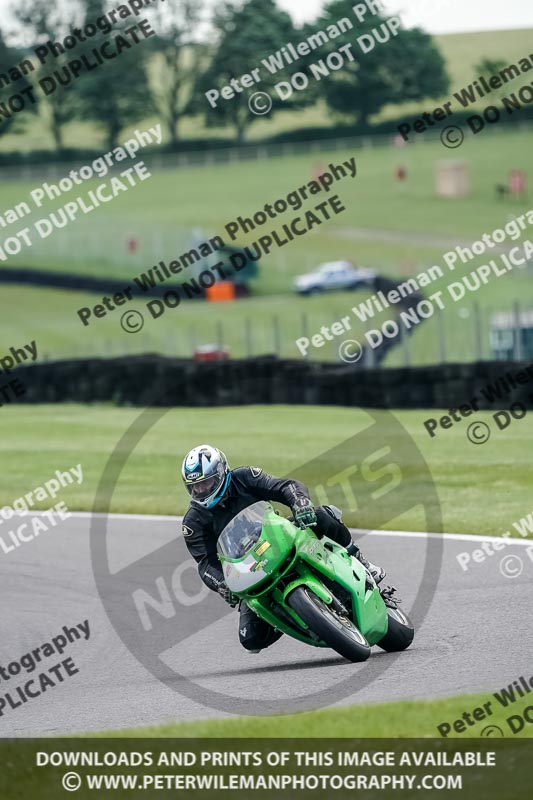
pixel 285 557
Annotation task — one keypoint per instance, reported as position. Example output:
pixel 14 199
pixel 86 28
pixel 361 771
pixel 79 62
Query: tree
pixel 489 67
pixel 42 21
pixel 406 67
pixel 117 93
pixel 180 60
pixel 10 58
pixel 246 34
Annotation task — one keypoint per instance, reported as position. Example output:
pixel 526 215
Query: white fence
pixel 247 152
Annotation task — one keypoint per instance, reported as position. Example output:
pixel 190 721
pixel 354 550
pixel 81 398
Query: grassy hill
pixel 399 230
pixel 461 52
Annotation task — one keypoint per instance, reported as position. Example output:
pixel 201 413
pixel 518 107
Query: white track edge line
pixel 460 537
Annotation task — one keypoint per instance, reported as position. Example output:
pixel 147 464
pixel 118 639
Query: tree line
pixel 195 49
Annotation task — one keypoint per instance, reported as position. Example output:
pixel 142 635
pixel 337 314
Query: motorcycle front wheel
pixel 336 631
pixel 400 633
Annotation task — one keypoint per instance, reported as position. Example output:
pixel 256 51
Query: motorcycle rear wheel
pixel 336 631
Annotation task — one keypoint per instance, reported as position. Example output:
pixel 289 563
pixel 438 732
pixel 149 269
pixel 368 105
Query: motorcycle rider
pixel 218 494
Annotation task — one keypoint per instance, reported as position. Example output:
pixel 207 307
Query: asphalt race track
pixel 470 640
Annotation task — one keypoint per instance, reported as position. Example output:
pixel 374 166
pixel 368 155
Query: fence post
pixel 442 338
pixel 305 325
pixel 192 340
pixel 171 345
pixel 406 348
pixel 370 357
pixel 517 333
pixel 276 332
pixel 248 337
pixel 220 334
pixel 477 332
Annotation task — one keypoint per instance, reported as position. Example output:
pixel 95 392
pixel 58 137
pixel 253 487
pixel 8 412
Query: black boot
pixel 341 534
pixel 388 594
pixel 378 573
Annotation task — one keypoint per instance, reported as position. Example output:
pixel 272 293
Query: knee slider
pixel 334 512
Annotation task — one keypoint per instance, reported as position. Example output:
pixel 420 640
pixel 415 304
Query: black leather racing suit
pixel 203 526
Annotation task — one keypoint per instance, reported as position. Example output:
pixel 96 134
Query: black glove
pixel 230 598
pixel 304 513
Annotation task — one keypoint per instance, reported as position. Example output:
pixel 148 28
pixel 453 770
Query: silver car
pixel 333 276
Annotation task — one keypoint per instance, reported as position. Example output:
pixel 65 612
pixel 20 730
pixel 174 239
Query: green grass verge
pixel 401 720
pixel 481 489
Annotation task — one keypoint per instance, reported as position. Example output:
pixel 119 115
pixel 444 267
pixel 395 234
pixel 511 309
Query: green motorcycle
pixel 309 588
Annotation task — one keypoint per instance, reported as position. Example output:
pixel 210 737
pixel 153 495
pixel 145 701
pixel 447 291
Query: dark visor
pixel 203 489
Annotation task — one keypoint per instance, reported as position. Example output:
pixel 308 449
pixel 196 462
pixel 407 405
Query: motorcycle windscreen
pixel 237 542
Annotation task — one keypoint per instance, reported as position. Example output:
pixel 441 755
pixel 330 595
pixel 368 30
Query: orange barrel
pixel 221 292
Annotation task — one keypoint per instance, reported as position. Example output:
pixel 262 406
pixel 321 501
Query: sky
pixel 434 16
pixel 439 16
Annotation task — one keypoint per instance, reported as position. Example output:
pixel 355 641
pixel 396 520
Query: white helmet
pixel 206 475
